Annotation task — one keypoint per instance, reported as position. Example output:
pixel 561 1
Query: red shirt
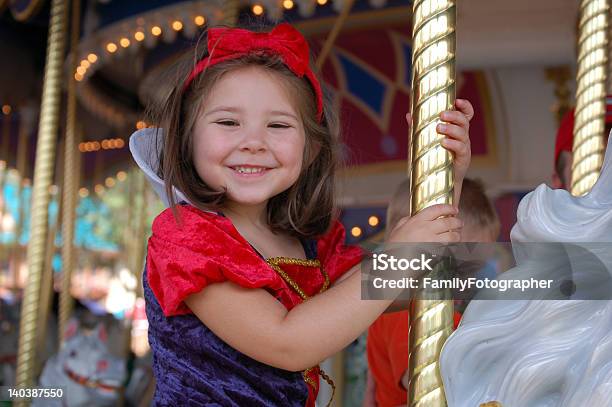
pixel 387 349
pixel 388 357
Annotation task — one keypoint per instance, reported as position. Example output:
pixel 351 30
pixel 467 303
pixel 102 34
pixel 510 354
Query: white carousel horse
pixel 541 353
pixel 89 374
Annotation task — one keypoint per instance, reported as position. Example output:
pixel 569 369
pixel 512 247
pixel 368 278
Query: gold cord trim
pixel 275 263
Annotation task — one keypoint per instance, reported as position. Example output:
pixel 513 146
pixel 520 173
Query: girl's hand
pixel 436 223
pixel 457 130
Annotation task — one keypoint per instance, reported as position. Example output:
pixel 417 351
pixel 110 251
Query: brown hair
pixel 476 209
pixel 307 207
pixel 474 206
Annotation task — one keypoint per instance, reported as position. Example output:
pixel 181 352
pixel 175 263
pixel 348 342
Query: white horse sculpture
pixel 88 373
pixel 540 353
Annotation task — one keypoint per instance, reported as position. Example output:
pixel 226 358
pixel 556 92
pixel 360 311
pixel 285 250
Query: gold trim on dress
pixel 275 263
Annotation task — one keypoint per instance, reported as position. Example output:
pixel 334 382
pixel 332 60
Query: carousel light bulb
pixel 121 176
pixel 288 4
pixel 85 64
pixel 110 182
pixel 139 36
pixel 99 189
pixel 156 30
pixel 8 223
pixel 356 231
pixel 83 192
pixel 124 42
pixel 199 20
pixel 177 25
pixel 81 71
pixel 6 109
pixel 258 9
pixel 92 58
pixel 111 47
pixel 322 2
pixel 373 220
pixel 141 124
pixel 119 143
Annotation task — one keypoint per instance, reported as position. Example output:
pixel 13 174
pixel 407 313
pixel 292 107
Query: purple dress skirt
pixel 193 367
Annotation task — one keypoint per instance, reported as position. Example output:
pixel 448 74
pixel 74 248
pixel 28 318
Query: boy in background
pixel 387 345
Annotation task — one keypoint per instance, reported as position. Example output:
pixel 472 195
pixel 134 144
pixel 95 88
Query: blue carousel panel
pixel 90 232
pixel 363 85
pixel 407 51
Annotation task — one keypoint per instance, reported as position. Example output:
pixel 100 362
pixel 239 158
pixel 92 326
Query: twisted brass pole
pixel 433 91
pixel 71 179
pixel 43 169
pixel 589 126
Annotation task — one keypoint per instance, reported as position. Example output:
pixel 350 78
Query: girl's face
pixel 249 138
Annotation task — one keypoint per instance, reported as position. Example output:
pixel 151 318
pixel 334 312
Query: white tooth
pixel 248 170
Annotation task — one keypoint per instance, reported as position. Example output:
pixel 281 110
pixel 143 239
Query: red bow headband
pixel 285 41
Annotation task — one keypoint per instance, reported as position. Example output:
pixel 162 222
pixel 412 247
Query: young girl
pixel 248 283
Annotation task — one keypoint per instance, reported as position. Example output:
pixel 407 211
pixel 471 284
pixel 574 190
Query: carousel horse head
pixel 84 366
pixel 542 353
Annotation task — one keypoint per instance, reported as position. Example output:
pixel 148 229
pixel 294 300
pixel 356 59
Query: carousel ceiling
pixel 125 45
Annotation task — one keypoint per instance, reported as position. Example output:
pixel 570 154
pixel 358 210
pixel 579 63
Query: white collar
pixel 145 146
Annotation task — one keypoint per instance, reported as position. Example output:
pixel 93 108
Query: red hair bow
pixel 284 40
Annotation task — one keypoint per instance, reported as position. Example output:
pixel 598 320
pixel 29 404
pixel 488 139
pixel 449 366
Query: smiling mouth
pixel 250 170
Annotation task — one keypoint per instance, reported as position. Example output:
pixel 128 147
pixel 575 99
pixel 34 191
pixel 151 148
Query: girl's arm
pixel 256 324
pixel 253 322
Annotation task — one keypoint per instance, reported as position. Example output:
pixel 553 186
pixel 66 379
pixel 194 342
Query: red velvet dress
pixel 205 249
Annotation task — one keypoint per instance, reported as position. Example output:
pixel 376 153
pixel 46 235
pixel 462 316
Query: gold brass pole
pixel 47 282
pixel 589 126
pixel 433 91
pixel 43 172
pixel 71 179
pixel 46 288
